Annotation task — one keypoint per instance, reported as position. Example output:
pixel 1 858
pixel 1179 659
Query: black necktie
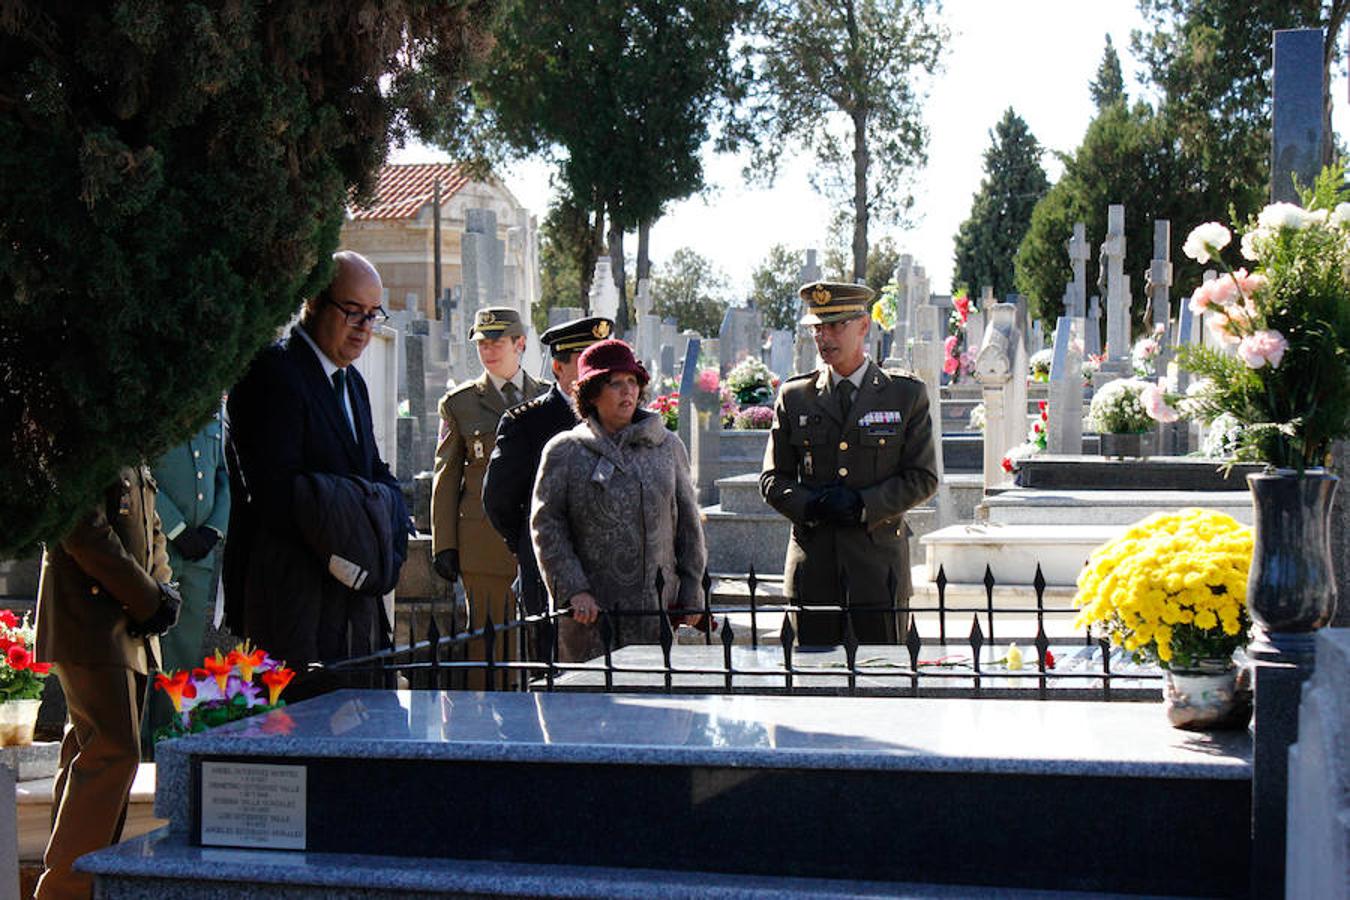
pixel 511 393
pixel 846 389
pixel 340 392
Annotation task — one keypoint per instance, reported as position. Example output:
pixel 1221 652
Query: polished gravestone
pixel 365 793
pixel 1156 473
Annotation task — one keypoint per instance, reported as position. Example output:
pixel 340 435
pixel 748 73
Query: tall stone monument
pixel 604 292
pixel 1298 129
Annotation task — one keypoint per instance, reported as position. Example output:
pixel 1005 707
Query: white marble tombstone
pixel 929 330
pixel 604 292
pixel 378 365
pixel 1065 406
pixel 1001 370
pixel 1117 360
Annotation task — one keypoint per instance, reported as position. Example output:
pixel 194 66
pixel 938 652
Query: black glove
pixel 840 505
pixel 162 619
pixel 446 564
pixel 194 543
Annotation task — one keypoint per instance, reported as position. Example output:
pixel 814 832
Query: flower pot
pixel 17 718
pixel 1123 445
pixel 1291 586
pixel 1206 699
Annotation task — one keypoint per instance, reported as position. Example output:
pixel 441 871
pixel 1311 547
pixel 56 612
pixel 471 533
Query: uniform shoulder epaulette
pixel 526 405
pixel 460 388
pixel 896 372
pixel 802 376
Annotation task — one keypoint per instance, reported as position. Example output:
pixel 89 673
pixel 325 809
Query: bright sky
pixel 1036 56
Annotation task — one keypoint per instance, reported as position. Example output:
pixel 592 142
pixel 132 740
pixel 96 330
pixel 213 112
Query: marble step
pixel 1031 506
pixel 1013 551
pixel 34 799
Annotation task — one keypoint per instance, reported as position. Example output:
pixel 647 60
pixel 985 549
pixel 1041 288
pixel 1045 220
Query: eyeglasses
pixel 357 318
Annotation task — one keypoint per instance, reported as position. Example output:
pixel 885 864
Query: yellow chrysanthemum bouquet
pixel 1172 589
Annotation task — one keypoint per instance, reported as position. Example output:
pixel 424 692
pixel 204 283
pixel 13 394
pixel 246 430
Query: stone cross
pixel 1298 131
pixel 930 329
pixel 804 355
pixel 904 299
pixel 1158 288
pixel 1065 406
pixel 1079 253
pixel 1117 293
pixel 1000 370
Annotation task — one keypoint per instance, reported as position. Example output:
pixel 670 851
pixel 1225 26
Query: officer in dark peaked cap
pixel 850 451
pixel 521 436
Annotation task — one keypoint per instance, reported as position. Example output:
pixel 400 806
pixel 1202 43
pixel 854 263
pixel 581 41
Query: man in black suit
pixel 521 435
pixel 302 408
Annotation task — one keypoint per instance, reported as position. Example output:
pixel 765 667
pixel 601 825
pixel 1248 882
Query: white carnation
pixel 1340 215
pixel 1205 241
pixel 1252 242
pixel 1284 215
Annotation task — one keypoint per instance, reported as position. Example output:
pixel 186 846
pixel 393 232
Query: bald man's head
pixel 340 318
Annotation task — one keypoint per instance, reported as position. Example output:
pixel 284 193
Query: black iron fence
pixel 747 643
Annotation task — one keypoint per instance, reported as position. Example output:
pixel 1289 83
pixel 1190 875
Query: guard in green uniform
pixel 464 543
pixel 851 450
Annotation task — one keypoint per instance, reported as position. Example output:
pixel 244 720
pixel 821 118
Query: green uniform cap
pixel 494 322
pixel 834 301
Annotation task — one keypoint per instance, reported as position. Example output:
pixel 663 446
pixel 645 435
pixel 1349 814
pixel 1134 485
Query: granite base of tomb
pixel 461 793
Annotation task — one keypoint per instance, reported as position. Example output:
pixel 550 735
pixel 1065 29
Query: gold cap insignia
pixel 601 330
pixel 487 317
pixel 820 296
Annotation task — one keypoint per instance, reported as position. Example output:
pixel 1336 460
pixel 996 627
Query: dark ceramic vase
pixel 1120 446
pixel 1292 586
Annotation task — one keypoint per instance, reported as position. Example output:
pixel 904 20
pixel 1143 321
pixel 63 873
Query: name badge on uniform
pixel 477 449
pixel 604 471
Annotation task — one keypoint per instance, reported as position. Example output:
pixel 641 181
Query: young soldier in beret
pixel 521 436
pixel 850 451
pixel 463 542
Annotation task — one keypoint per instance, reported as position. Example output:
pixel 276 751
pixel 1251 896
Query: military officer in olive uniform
pixel 463 542
pixel 194 507
pixel 521 436
pixel 103 597
pixel 850 451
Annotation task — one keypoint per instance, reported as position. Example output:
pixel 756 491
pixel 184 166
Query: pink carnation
pixel 949 345
pixel 707 381
pixel 1154 398
pixel 1265 346
pixel 1218 326
pixel 950 365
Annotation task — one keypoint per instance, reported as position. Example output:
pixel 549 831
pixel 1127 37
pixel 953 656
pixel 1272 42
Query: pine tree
pixel 1109 85
pixel 1001 210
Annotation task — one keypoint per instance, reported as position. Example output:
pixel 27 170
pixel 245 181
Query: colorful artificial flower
pixel 276 681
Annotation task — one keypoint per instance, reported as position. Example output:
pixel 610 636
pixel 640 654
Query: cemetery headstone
pixel 1092 340
pixel 667 366
pixel 688 379
pixel 929 332
pixel 1065 405
pixel 1079 253
pixel 1297 132
pixel 780 352
pixel 805 358
pixel 1000 370
pixel 1117 362
pixel 741 335
pixel 604 292
pixel 557 315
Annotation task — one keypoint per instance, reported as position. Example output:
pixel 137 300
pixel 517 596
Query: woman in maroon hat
pixel 613 505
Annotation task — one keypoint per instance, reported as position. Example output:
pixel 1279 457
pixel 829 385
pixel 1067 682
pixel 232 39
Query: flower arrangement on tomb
pixel 887 307
pixel 1038 437
pixel 1172 589
pixel 753 418
pixel 1092 364
pixel 1038 367
pixel 751 383
pixel 1282 370
pixel 668 405
pixel 20 677
pixel 244 682
pixel 958 360
pixel 1118 408
pixel 1144 353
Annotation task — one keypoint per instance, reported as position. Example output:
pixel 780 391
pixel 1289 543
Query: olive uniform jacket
pixel 100 576
pixel 508 483
pixel 469 416
pixel 884 451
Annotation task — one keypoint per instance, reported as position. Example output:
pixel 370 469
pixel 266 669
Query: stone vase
pixel 1291 586
pixel 1123 445
pixel 17 720
pixel 1206 698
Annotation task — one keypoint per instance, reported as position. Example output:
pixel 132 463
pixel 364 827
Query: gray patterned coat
pixel 607 514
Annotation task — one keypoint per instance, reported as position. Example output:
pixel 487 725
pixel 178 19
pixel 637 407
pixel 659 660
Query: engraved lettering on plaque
pixel 253 805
